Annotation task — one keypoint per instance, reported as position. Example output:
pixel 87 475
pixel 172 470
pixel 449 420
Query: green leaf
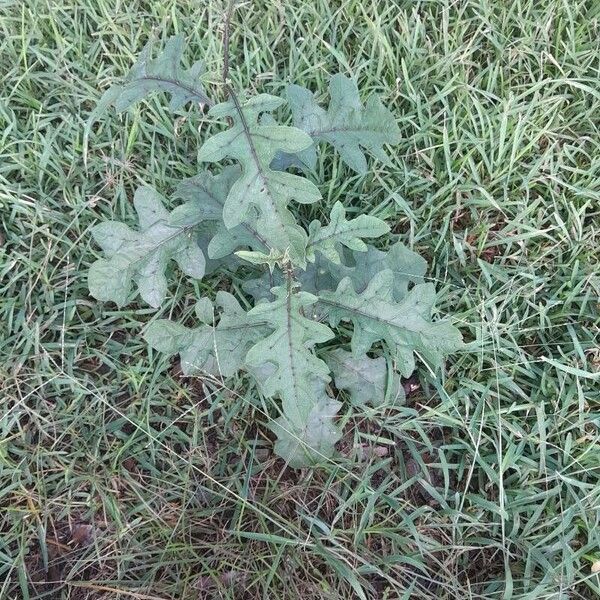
pixel 306 431
pixel 304 159
pixel 142 256
pixel 205 196
pixel 407 266
pixel 205 234
pixel 405 326
pixel 163 73
pixel 147 76
pixel 366 379
pixel 260 287
pixel 341 231
pixel 272 259
pixel 260 189
pixel 209 350
pixel 317 276
pixel 347 125
pixel 205 311
pixel 315 440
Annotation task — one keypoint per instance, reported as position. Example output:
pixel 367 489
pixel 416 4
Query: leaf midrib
pixel 244 224
pixel 290 342
pixel 155 247
pixel 364 314
pixel 321 132
pixel 339 232
pixel 177 83
pixel 256 160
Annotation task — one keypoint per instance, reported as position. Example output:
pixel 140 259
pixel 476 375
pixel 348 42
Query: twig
pixel 226 29
pixel 233 97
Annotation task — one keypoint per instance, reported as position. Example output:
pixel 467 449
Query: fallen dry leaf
pixel 82 534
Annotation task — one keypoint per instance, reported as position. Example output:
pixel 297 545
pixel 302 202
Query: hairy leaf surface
pixel 405 326
pixel 305 429
pixel 142 256
pixel 261 190
pixel 208 349
pixel 347 125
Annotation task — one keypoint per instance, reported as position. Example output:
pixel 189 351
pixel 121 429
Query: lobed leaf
pixel 326 239
pixel 366 379
pixel 245 211
pixel 346 124
pixel 406 326
pixel 161 74
pixel 147 76
pixel 407 267
pixel 205 196
pixel 316 277
pixel 305 431
pixel 209 349
pixel 261 194
pixel 316 439
pixel 141 257
pixel 323 274
pixel 305 160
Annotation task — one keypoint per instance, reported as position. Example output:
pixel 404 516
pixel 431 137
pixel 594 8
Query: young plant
pixel 304 281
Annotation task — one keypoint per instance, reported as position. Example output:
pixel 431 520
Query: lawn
pixel 121 479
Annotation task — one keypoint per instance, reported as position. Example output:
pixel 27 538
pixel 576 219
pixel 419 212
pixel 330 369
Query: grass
pixel 119 479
